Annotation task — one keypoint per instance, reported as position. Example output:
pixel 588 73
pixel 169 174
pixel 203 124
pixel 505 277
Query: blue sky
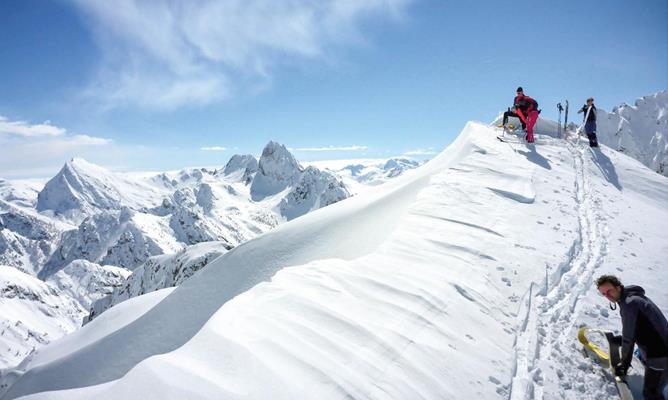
pixel 148 85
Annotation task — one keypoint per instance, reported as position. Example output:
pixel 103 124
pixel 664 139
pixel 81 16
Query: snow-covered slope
pixel 22 193
pixel 27 239
pixel 160 272
pixel 86 282
pixel 466 278
pixel 640 131
pixel 32 313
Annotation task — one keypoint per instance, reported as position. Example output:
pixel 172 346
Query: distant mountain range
pixel 91 237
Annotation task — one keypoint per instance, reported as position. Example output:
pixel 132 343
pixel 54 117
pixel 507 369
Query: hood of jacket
pixel 632 290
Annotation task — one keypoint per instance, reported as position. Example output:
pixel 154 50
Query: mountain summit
pixel 277 169
pixel 79 189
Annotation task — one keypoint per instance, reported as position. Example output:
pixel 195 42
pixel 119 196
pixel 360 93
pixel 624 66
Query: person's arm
pixel 629 331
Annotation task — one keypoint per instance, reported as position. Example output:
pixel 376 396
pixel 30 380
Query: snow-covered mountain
pixel 277 170
pixel 123 219
pixel 359 175
pixel 160 272
pixel 640 131
pixel 82 189
pixel 465 278
pixel 88 227
pixel 314 189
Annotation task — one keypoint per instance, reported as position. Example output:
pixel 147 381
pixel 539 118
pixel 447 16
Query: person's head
pixel 520 91
pixel 590 101
pixel 610 287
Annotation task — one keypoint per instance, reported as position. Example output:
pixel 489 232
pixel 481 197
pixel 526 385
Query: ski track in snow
pixel 547 330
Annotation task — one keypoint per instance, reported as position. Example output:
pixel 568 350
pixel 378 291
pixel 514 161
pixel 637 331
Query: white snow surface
pixel 465 278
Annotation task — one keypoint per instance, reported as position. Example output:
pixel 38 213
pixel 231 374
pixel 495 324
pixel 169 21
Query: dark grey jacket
pixel 642 324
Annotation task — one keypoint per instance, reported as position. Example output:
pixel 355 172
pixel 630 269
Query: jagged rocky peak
pixel 315 189
pixel 277 161
pixel 246 163
pixel 79 188
pixel 277 169
pixel 205 197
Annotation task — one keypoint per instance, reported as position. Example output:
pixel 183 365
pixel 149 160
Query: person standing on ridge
pixel 643 324
pixel 590 124
pixel 527 109
pixel 513 112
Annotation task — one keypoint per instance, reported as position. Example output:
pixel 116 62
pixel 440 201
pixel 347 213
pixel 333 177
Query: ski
pixel 611 358
pixel 505 140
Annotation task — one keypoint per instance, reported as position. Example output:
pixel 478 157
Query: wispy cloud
pixel 330 148
pixel 171 53
pixel 25 129
pixel 28 147
pixel 85 140
pixel 213 148
pixel 421 152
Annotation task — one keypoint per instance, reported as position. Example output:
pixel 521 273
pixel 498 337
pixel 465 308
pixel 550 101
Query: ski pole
pixel 560 108
pixel 579 130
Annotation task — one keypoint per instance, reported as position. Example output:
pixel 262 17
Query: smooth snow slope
pixel 441 284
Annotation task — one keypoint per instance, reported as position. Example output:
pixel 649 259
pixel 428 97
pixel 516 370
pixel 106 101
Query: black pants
pixel 653 384
pixel 593 141
pixel 512 114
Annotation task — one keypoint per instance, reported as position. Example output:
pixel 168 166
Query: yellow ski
pixel 611 358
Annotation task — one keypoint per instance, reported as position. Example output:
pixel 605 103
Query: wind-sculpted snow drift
pixel 432 286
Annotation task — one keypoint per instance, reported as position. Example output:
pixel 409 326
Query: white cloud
pixel 171 53
pixel 85 140
pixel 421 152
pixel 25 147
pixel 331 148
pixel 22 128
pixel 213 148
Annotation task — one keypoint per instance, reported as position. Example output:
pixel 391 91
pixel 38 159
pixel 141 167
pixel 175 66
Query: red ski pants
pixel 531 121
